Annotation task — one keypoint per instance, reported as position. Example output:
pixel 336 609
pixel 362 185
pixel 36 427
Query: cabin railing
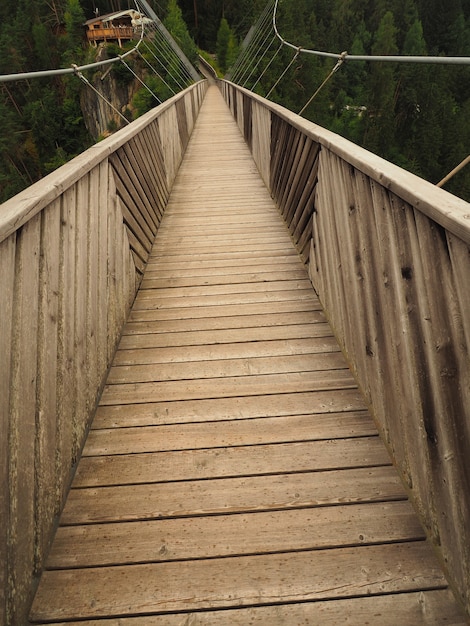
pixel 389 256
pixel 111 33
pixel 72 251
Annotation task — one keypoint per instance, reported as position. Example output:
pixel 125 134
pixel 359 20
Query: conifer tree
pixel 177 27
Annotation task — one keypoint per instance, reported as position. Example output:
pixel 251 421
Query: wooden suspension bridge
pixel 235 471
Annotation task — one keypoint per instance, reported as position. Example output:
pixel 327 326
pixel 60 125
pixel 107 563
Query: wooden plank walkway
pixel 233 474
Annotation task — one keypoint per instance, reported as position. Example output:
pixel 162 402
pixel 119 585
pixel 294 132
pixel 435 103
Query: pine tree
pixel 223 39
pixel 177 27
pixel 380 133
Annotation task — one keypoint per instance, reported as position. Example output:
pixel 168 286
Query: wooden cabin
pixel 120 27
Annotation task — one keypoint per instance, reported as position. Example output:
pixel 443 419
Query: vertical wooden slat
pixel 329 249
pixel 47 504
pixel 7 280
pixel 447 364
pixel 398 419
pixel 183 130
pixel 80 318
pixel 22 437
pixel 93 295
pixel 261 146
pixel 247 121
pixel 102 271
pixel 114 218
pixel 66 348
pixel 151 138
pixel 167 124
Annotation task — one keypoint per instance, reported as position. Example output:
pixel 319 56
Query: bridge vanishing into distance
pixel 235 380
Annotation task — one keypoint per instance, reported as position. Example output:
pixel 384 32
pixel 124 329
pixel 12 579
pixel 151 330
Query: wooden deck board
pixel 232 474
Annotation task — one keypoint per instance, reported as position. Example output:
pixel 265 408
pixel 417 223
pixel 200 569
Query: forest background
pixel 417 116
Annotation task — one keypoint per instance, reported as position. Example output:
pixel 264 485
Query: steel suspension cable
pixel 78 73
pixel 366 57
pixel 154 69
pixel 283 73
pixel 162 45
pixel 333 71
pixel 248 41
pixel 260 56
pixel 273 58
pixel 140 81
pixel 164 54
pixel 245 58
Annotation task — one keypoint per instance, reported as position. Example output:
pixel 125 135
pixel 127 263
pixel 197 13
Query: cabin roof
pixel 108 17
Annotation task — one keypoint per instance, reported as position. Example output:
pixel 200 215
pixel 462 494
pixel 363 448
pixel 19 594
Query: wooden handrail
pixel 451 212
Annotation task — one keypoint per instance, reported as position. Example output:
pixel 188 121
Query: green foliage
pixel 144 99
pixel 176 25
pixel 223 38
pixel 42 123
pixel 227 47
pixel 412 114
pixel 74 19
pixel 416 115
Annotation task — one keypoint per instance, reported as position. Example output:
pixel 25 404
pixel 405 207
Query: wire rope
pixel 265 15
pixel 262 26
pixel 140 81
pixel 333 71
pixel 78 73
pixel 283 73
pixel 273 58
pixel 161 45
pixel 366 57
pixel 248 56
pixel 260 58
pixel 169 67
pixel 154 70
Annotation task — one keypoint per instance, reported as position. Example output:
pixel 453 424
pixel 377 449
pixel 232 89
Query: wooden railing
pixel 111 33
pixel 72 251
pixel 389 255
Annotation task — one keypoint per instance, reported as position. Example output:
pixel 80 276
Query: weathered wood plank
pixel 229 264
pixel 235 581
pixel 227 408
pixel 228 387
pixel 148 298
pixel 254 310
pixel 149 282
pixel 232 495
pixel 7 290
pixel 235 461
pixel 241 534
pixel 66 342
pixel 47 502
pixel 428 608
pixel 80 414
pixel 242 289
pixel 228 433
pixel 236 335
pixel 22 418
pixel 225 368
pixel 253 349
